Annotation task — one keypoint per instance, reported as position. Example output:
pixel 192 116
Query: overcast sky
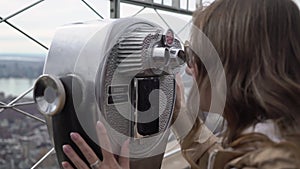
pixel 42 20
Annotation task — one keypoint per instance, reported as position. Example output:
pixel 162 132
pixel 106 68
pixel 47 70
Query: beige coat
pixel 250 151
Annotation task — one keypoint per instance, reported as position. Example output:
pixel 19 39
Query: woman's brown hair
pixel 258 42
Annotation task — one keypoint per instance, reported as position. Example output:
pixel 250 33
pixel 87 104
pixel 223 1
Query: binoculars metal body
pixel 121 72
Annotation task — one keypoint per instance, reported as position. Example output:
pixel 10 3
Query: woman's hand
pixel 109 161
pixel 180 101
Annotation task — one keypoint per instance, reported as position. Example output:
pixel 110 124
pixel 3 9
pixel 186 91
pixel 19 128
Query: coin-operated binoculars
pixel 120 72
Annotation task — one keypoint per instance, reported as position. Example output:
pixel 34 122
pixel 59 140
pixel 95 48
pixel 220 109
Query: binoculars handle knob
pixel 49 94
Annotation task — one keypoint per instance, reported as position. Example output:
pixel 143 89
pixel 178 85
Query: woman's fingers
pixel 76 160
pixel 104 142
pixel 109 160
pixel 66 165
pixel 124 160
pixel 180 88
pixel 179 102
pixel 84 148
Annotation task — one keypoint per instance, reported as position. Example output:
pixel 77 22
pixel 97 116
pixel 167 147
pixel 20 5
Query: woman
pixel 258 44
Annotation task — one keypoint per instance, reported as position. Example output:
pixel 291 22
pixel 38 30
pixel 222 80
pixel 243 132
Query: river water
pixel 15 86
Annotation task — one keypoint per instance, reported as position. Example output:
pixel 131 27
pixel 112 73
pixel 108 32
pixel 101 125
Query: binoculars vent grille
pixel 132 47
